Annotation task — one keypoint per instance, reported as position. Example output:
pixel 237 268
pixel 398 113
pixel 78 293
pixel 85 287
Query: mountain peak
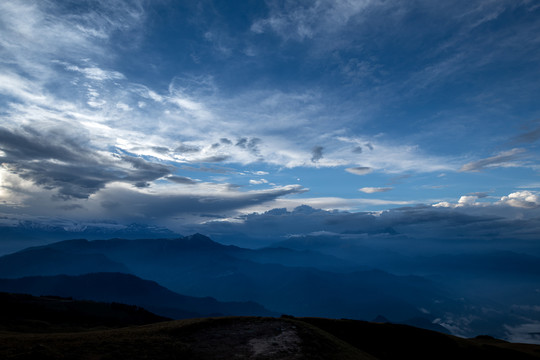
pixel 200 239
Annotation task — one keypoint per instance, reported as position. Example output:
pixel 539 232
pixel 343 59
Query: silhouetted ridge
pixel 129 289
pixel 53 261
pixel 27 313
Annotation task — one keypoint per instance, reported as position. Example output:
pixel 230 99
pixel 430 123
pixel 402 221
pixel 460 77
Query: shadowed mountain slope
pixel 27 313
pixel 276 278
pixel 129 289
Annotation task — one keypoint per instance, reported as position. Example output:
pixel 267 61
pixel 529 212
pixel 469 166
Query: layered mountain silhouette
pixel 277 278
pixel 129 289
pixel 299 282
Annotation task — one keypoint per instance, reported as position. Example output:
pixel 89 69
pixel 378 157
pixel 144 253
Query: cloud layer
pixel 109 101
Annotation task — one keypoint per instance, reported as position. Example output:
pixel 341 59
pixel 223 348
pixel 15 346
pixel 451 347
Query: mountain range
pixel 275 280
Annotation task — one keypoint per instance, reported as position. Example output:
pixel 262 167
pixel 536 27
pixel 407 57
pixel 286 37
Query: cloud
pixel 465 200
pixel 412 228
pixel 360 170
pixel 258 182
pixel 528 333
pixel 58 159
pixel 215 159
pixel 519 199
pixel 183 148
pixel 522 199
pixel 371 190
pixel 479 195
pixel 181 180
pixel 95 73
pixel 163 205
pixel 528 137
pixel 505 158
pixel 249 144
pixel 302 21
pixel 316 153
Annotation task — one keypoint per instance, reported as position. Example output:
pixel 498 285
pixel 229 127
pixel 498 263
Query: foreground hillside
pixel 259 338
pixel 46 314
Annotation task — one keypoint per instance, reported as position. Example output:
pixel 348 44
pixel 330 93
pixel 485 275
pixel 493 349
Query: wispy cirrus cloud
pixel 503 159
pixel 76 89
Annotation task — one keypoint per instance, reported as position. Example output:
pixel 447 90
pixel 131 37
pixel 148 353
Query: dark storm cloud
pixel 187 149
pixel 145 170
pixel 317 153
pixel 253 145
pixel 70 207
pixel 215 158
pixel 225 141
pixel 503 158
pixel 357 150
pixel 249 144
pixel 438 226
pixel 181 180
pixel 242 142
pixel 130 203
pixel 58 160
pixel 160 149
pixel 31 145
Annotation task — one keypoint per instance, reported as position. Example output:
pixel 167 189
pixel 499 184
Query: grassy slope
pixel 59 328
pixel 210 338
pixel 240 337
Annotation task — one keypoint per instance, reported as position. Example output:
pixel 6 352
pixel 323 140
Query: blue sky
pixel 175 112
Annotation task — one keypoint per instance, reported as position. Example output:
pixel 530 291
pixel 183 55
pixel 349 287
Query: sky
pixel 204 114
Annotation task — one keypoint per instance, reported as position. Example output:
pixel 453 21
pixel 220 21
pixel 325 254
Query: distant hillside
pixel 462 293
pixel 27 313
pixel 282 280
pixel 51 261
pixel 129 289
pixel 261 339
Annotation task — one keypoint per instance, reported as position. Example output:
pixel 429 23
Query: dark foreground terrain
pixel 61 328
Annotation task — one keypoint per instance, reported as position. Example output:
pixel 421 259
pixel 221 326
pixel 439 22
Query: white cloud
pixel 20 88
pixel 465 200
pixel 258 182
pixel 371 190
pixel 359 170
pixel 521 199
pixel 298 21
pixel 124 107
pixel 518 199
pixel 95 73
